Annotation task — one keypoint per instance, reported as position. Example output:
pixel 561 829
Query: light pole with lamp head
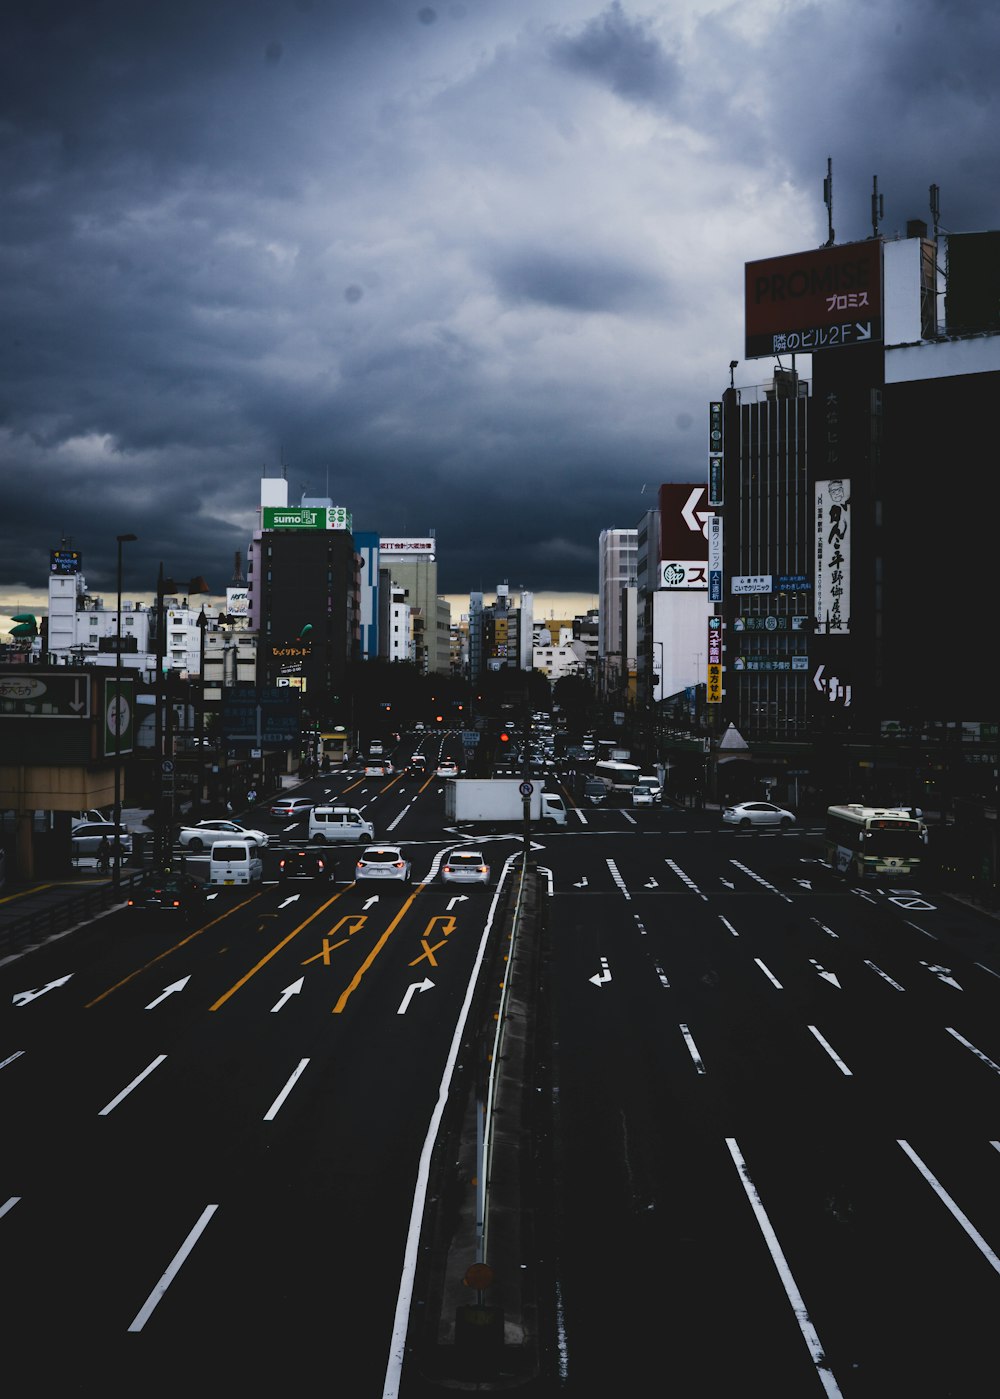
pixel 116 876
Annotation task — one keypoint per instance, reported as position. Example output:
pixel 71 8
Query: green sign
pixel 306 517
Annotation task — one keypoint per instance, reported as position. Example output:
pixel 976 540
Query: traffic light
pixel 439 718
pixel 504 736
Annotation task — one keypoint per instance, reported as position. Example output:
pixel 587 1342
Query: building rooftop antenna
pixel 828 201
pixel 878 207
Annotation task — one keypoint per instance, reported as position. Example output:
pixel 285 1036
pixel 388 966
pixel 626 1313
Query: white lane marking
pixel 673 865
pixel 276 1106
pixel 770 976
pixel 155 1064
pixel 692 1049
pixel 544 869
pixel 616 876
pixel 761 880
pixel 831 977
pixel 9 1205
pixel 910 924
pixel 977 1052
pixel 824 929
pixel 726 924
pixel 884 975
pixel 146 1310
pixel 946 1200
pixel 784 1272
pixel 830 1050
pixel 11 1057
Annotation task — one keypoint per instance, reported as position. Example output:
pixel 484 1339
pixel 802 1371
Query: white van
pixel 235 862
pixel 553 809
pixel 332 823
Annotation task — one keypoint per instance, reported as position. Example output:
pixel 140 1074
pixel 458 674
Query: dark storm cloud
pixel 623 53
pixel 472 268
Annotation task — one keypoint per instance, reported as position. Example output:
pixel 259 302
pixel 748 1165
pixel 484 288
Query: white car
pixel 465 867
pixel 643 796
pixel 447 769
pixel 749 814
pixel 383 862
pixel 201 835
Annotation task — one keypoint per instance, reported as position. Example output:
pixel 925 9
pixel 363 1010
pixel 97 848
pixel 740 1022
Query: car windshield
pixel 463 857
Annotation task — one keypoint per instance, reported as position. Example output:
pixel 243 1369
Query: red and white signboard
pixel 816 300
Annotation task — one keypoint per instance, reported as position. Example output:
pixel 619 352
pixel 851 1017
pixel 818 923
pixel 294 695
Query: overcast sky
pixel 469 267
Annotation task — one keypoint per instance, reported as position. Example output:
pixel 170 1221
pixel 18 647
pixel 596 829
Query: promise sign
pixel 817 300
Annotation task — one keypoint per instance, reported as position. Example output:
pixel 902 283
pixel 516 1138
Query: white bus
pixel 864 841
pixel 618 777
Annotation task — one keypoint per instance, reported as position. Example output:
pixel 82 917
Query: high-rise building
pixel 616 566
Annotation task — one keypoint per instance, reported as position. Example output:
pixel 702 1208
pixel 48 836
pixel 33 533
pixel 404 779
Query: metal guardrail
pixel 64 909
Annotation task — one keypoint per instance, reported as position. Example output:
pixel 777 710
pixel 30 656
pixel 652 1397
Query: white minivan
pixel 235 862
pixel 332 823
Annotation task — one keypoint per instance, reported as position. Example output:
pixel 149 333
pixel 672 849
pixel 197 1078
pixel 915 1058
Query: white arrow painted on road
pixel 728 883
pixel 544 869
pixel 21 998
pixel 804 883
pixel 458 899
pixel 290 900
pixel 169 991
pixel 943 974
pixel 288 993
pixel 603 975
pixel 369 903
pixel 651 883
pixel 581 883
pixel 424 985
pixel 827 976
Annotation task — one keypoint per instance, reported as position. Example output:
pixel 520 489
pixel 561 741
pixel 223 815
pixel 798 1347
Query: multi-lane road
pixel 764 1152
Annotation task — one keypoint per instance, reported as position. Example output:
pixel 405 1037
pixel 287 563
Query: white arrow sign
pixel 581 883
pixel 651 883
pixel 369 903
pixel 21 998
pixel 695 519
pixel 290 900
pixel 603 975
pixel 169 991
pixel 728 883
pixel 827 976
pixel 288 993
pixel 943 974
pixel 458 899
pixel 424 985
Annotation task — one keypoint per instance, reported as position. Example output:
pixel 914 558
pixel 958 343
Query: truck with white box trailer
pixel 499 799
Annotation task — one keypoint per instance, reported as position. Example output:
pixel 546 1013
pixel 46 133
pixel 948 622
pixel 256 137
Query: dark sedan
pixel 306 864
pixel 168 891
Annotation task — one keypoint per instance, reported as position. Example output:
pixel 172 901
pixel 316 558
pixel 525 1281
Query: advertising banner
pixel 816 300
pixel 306 517
pixel 119 715
pixel 833 558
pixel 753 583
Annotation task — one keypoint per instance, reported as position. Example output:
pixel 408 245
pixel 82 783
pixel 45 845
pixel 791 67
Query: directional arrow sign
pixel 603 975
pixel 424 985
pixel 288 993
pixel 943 974
pixel 21 998
pixel 290 900
pixel 169 991
pixel 458 899
pixel 581 883
pixel 369 903
pixel 827 976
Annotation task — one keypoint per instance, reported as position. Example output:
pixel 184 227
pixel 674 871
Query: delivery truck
pixel 500 800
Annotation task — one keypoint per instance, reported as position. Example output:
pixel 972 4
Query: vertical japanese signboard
pixel 715 559
pixel 715 454
pixel 713 683
pixel 833 558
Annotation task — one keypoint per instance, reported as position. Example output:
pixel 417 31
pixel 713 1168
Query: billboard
pixel 64 561
pixel 400 548
pixel 684 516
pixel 833 558
pixel 305 517
pixel 816 300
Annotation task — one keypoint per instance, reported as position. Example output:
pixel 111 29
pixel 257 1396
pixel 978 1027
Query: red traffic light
pixel 505 738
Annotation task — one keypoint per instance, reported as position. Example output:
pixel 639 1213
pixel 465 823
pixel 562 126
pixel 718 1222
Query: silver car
pixel 201 835
pixel 750 814
pixel 465 867
pixel 383 862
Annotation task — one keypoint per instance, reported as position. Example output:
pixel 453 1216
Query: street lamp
pixel 116 876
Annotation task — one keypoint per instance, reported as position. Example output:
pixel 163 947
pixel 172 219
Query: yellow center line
pixel 277 948
pixel 356 979
pixel 168 950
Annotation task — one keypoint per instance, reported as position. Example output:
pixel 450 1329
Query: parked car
pixel 465 867
pixel 643 796
pixel 447 769
pixel 291 807
pixel 86 839
pixel 383 862
pixel 201 835
pixel 168 891
pixel 748 814
pixel 306 864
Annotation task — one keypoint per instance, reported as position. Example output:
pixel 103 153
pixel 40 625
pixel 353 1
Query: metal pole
pixel 116 874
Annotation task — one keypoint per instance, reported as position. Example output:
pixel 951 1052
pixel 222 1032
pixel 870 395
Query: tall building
pixel 851 584
pixel 616 566
pixel 412 565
